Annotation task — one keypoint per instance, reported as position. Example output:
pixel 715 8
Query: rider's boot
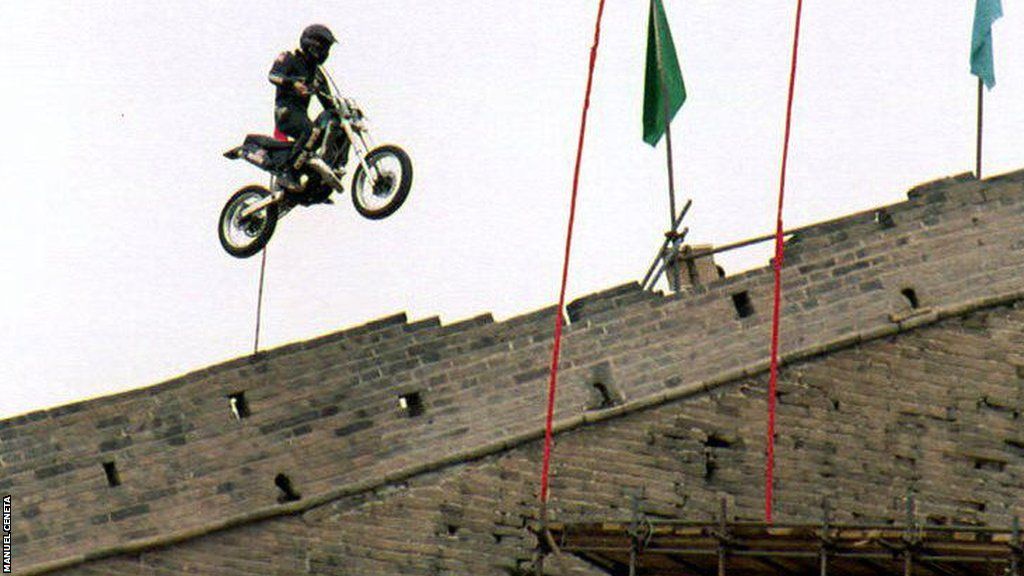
pixel 288 181
pixel 288 176
pixel 300 160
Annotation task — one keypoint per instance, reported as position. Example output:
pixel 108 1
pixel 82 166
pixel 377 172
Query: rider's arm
pixel 325 101
pixel 282 74
pixel 279 70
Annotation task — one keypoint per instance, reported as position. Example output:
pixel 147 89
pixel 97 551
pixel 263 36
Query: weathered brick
pixel 862 424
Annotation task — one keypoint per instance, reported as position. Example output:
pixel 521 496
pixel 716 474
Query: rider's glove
pixel 344 109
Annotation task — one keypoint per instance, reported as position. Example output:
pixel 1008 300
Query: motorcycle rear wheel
pixel 389 191
pixel 243 237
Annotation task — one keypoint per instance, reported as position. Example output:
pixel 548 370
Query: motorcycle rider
pixel 295 74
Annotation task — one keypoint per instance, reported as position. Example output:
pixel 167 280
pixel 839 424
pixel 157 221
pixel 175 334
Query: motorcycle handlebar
pixel 314 88
pixel 346 106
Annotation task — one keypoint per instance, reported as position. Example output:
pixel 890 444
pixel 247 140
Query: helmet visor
pixel 319 51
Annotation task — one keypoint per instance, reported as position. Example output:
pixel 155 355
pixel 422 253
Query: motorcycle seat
pixel 267 142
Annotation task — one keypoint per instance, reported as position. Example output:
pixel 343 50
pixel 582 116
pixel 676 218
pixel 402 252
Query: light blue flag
pixel 985 13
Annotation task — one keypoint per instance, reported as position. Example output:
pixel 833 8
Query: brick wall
pixel 878 398
pixel 936 412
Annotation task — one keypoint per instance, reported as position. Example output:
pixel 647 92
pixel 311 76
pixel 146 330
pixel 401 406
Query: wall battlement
pixel 380 404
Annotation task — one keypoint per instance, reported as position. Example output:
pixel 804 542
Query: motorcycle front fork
pixel 275 197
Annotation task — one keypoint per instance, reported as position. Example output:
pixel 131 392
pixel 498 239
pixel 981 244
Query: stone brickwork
pixel 412 448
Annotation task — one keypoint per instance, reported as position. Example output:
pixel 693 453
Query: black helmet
pixel 316 42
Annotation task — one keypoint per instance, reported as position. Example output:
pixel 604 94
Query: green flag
pixel 985 13
pixel 664 92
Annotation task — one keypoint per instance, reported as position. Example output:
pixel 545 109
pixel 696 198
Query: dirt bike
pixel 340 138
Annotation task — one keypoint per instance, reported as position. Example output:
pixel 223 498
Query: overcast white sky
pixel 116 115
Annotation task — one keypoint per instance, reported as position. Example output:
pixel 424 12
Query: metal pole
pixel 824 538
pixel 908 553
pixel 634 527
pixel 539 565
pixel 668 139
pixel 1016 552
pixel 665 110
pixel 981 100
pixel 664 245
pixel 657 276
pixel 671 175
pixel 721 537
pixel 259 303
pixel 744 243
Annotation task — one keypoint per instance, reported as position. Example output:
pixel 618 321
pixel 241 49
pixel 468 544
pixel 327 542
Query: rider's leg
pixel 294 123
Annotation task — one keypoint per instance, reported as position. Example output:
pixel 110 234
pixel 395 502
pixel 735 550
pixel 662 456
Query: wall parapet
pixel 327 412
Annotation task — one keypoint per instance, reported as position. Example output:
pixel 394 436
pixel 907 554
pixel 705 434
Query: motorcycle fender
pixel 257 157
pixel 234 153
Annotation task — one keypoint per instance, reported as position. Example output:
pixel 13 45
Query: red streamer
pixel 553 380
pixel 777 265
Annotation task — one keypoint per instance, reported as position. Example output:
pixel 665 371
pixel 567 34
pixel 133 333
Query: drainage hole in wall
pixel 744 307
pixel 288 493
pixel 911 297
pixel 239 406
pixel 411 404
pixel 113 478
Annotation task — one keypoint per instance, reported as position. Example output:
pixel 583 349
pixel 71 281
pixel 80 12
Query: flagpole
pixel 668 122
pixel 986 12
pixel 981 100
pixel 668 153
pixel 668 146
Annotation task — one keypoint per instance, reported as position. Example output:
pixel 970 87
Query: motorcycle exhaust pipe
pixel 326 173
pixel 317 164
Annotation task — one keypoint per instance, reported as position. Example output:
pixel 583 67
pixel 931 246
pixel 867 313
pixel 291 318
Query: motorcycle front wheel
pixel 379 197
pixel 241 236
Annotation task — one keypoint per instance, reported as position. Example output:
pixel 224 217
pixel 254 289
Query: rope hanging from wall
pixel 777 263
pixel 556 349
pixel 259 303
pixel 777 267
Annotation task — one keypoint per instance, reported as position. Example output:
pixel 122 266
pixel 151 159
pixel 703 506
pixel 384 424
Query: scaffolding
pixel 660 547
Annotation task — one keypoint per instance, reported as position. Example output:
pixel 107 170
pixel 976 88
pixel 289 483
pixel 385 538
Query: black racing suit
pixel 290 107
